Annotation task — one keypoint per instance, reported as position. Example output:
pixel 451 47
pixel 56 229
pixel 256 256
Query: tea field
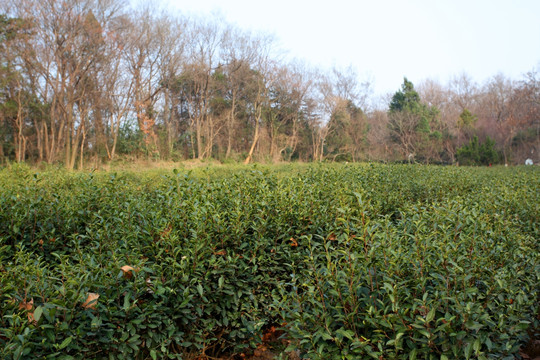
pixel 347 261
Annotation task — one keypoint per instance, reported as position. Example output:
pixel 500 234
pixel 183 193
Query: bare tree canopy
pixel 84 82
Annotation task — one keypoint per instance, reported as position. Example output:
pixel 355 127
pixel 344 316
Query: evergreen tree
pixel 475 153
pixel 406 99
pixel 412 124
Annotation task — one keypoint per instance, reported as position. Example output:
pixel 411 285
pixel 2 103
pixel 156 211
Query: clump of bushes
pixel 352 261
pixel 476 153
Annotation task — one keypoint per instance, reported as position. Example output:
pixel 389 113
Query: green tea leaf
pixel 65 343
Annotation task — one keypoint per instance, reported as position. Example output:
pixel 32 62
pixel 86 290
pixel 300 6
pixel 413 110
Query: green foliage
pixel 476 153
pixel 467 120
pixel 130 139
pixel 10 28
pixel 393 262
pixel 347 139
pixel 413 124
pixel 406 99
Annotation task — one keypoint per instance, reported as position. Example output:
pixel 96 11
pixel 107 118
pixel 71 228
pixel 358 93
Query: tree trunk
pixel 255 139
pixel 39 140
pixel 230 126
pixel 198 130
pixel 81 156
pixel 209 138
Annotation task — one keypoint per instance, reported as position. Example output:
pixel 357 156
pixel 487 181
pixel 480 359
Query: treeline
pixel 89 81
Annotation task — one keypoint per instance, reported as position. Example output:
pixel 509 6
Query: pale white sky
pixel 385 40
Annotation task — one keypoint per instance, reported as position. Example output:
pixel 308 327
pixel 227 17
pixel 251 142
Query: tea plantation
pixel 351 261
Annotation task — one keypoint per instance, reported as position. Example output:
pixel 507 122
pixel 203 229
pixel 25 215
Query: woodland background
pixel 87 82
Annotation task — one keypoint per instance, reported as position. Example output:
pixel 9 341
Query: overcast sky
pixel 385 40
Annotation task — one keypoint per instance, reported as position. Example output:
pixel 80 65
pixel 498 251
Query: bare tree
pixel 447 125
pixel 496 101
pixel 338 91
pixel 531 87
pixel 263 77
pixel 15 93
pixel 66 47
pixel 290 93
pixel 523 119
pixel 378 137
pixel 403 131
pixel 195 83
pixel 463 92
pixel 147 49
pixel 239 55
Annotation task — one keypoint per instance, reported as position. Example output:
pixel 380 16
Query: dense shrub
pixel 476 153
pixel 354 261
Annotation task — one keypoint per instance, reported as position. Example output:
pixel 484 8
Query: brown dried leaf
pixel 128 271
pixel 91 301
pixel 31 318
pixel 26 305
pixel 127 268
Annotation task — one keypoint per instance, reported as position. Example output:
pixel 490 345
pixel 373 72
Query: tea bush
pixel 353 261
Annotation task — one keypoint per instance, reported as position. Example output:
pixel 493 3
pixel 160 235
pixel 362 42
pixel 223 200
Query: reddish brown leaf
pixel 128 271
pixel 91 301
pixel 26 305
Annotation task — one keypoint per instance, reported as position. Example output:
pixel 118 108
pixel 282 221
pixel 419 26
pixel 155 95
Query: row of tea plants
pixel 351 261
